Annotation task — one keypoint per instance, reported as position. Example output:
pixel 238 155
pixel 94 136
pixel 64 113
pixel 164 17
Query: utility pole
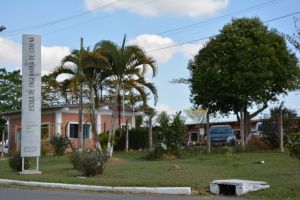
pixel 2 28
pixel 80 134
pixel 207 132
pixel 280 129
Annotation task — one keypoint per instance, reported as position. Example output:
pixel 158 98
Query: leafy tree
pixel 198 116
pixel 245 64
pixel 10 94
pixel 270 133
pixel 295 38
pixel 172 130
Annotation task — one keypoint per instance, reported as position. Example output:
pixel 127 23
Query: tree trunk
pixel 150 132
pixel 94 123
pixel 242 121
pixel 280 129
pixel 113 122
pixel 80 119
pixel 126 139
pixel 207 132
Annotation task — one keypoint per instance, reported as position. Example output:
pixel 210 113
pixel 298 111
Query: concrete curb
pixel 158 190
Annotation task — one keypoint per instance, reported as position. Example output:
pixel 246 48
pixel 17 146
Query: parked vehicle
pixel 222 135
pixel 258 129
pixel 5 149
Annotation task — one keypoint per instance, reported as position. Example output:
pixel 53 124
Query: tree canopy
pixel 245 64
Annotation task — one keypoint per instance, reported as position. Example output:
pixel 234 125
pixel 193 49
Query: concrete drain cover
pixel 235 186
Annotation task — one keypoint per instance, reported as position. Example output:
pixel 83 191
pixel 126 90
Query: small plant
pixel 104 139
pixel 227 151
pixel 91 163
pixel 60 144
pixel 157 153
pixel 15 161
pixel 74 158
pixel 294 146
pixel 44 152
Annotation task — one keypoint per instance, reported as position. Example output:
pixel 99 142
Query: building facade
pixel 63 120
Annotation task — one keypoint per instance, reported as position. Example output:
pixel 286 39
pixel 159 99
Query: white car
pixel 5 149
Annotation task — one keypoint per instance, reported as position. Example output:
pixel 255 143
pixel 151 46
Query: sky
pixel 151 24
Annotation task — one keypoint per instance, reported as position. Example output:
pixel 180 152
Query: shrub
pixel 44 152
pixel 60 144
pixel 172 131
pixel 15 161
pixel 104 139
pixel 91 163
pixel 157 153
pixel 294 146
pixel 74 158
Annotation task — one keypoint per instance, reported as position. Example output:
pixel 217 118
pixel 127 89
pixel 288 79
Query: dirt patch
pixel 42 160
pixel 175 167
pixel 169 157
pixel 113 160
pixel 296 175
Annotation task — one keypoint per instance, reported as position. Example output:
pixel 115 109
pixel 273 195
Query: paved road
pixel 26 194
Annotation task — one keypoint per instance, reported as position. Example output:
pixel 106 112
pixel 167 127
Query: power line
pixel 205 37
pixel 196 25
pixel 18 31
pixel 212 36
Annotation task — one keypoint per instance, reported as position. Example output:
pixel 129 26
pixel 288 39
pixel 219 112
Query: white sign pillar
pixel 31 101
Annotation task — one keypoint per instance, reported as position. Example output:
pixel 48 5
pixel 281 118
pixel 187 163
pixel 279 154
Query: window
pixel 45 132
pixel 124 126
pixel 194 137
pixel 73 133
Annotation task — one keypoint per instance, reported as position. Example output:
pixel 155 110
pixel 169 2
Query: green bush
pixel 157 153
pixel 172 131
pixel 138 139
pixel 104 139
pixel 74 158
pixel 294 146
pixel 15 161
pixel 44 152
pixel 60 144
pixel 91 163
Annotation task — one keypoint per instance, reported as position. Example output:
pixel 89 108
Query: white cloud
pixel 153 42
pixel 11 54
pixel 191 8
pixel 165 108
pixel 190 50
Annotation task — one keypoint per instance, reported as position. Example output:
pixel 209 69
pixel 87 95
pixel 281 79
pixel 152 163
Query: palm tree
pixel 72 64
pixel 126 65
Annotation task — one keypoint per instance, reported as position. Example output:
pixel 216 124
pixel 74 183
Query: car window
pixel 6 146
pixel 220 130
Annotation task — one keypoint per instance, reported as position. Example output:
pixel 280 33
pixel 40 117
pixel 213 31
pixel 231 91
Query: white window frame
pixel 190 136
pixel 124 124
pixel 90 129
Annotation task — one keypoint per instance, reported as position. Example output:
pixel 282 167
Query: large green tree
pixel 10 93
pixel 246 64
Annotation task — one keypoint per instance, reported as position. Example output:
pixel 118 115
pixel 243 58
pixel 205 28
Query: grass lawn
pixel 280 171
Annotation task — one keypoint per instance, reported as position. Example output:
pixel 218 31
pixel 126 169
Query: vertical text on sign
pixel 31 73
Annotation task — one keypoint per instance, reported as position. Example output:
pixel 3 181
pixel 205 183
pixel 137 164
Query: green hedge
pixel 138 139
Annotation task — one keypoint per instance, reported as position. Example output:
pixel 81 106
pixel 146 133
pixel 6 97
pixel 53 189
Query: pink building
pixel 63 120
